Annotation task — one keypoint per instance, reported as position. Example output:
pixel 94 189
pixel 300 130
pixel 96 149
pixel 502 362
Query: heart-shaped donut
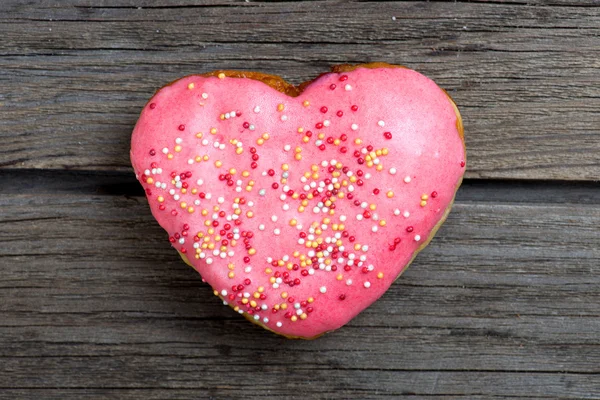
pixel 300 205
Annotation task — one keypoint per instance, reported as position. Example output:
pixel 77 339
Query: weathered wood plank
pixel 75 74
pixel 503 303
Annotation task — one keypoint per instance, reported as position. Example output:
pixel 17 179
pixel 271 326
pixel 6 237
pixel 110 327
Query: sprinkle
pixel 393 171
pixel 407 179
pixel 221 75
pixel 367 284
pixel 354 127
pixel 257 109
pixel 205 96
pixel 323 289
pixel 348 87
pixel 406 214
pixel 381 123
pixel 417 238
pixel 190 86
pixel 396 212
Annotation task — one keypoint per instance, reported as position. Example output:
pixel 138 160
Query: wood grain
pixel 75 74
pixel 95 304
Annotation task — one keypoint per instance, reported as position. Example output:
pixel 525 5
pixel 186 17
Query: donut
pixel 300 205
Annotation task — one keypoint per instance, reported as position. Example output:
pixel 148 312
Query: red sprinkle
pixel 152 106
pixel 354 108
pixel 181 127
pixel 387 135
pixel 324 109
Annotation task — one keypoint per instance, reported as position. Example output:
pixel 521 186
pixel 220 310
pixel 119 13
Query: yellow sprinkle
pixel 266 136
pixel 300 129
pixel 321 136
pixel 285 167
pixel 310 299
pixel 218 164
pixel 305 139
pixel 222 116
pixel 339 277
pixel 213 131
pixel 423 203
pixel 253 303
pixel 245 174
pixel 199 135
pixel 390 194
pixel 206 157
pixel 337 142
pixel 284 306
pixel 379 167
pixel 244 301
pixel 249 214
pixel 284 295
pixel 298 157
pixel 382 222
pixel 357 246
pixel 261 289
pixel 268 271
pixel 294 318
pixel 424 197
pixel 183 204
pixel 190 209
pixel 252 251
pixel 357 141
pixel 303 316
pixel 190 86
pixel 298 149
pixel 372 207
pixel 183 190
pixel 204 213
pixel 239 150
pixel 293 222
pixel 221 75
pixel 170 156
pixel 280 107
pixel 380 275
pixel 384 151
pixel 198 159
pixel 160 199
pixel 260 141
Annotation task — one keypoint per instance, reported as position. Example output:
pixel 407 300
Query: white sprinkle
pixel 381 123
pixel 266 320
pixel 342 218
pixel 178 140
pixel 251 127
pixel 277 231
pixel 417 238
pixel 223 292
pixel 233 114
pixel 367 284
pixel 274 218
pixel 359 217
pixel 165 150
pixel 221 200
pixel 190 161
pixel 205 96
pixel 197 202
pixel 374 228
pixel 204 142
pixel 209 261
pixel 406 214
pixel 393 171
pixel 257 109
pixel 396 212
pixel 348 87
pixel 227 115
pixel 326 122
pixel 247 269
pixel 407 179
pixel 365 248
pixel 279 324
pixel 284 117
pixel 261 227
pixel 287 147
pixel 349 282
pixel 323 289
pixel 176 197
pixel 285 207
pixel 354 127
pixel 208 196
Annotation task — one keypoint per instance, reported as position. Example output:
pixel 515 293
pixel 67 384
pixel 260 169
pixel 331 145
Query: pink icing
pixel 398 110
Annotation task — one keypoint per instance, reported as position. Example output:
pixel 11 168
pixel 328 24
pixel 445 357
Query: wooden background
pixel 504 303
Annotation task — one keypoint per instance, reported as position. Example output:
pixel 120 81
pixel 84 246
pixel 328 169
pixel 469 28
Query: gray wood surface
pixel 75 74
pixel 504 303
